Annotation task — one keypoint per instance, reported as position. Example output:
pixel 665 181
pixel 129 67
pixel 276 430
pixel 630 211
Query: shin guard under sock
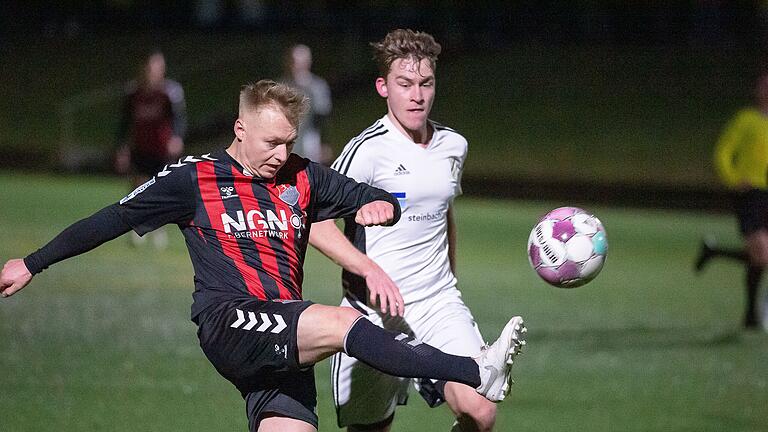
pixel 401 355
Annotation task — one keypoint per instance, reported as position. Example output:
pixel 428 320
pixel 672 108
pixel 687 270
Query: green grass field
pixel 103 342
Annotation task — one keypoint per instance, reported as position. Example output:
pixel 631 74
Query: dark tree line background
pixel 737 22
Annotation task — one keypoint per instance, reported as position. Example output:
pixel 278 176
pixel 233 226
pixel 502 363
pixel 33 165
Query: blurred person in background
pixel 741 160
pixel 404 278
pixel 152 127
pixel 298 74
pixel 246 212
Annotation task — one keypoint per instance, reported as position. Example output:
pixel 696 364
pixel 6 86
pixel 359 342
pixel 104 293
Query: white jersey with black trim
pixel 414 252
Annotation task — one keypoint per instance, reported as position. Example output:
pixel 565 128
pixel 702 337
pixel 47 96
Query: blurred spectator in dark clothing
pixel 152 127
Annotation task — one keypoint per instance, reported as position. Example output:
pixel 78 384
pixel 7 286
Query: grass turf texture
pixel 103 341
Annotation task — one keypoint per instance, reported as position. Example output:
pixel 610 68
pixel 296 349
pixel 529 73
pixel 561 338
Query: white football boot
pixel 495 361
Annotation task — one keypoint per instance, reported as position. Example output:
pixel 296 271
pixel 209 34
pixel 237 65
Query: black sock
pixel 401 355
pixel 735 254
pixel 754 274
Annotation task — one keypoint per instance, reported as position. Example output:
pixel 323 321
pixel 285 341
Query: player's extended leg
pixel 324 330
pixel 709 249
pixel 473 412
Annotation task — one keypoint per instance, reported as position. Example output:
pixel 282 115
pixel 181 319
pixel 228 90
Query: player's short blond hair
pixel 291 102
pixel 405 44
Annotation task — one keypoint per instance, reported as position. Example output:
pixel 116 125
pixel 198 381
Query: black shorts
pixel 253 344
pixel 752 210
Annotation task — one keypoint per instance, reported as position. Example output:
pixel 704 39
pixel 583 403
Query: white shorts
pixel 363 395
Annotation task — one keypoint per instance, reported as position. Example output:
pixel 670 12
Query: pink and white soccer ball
pixel 567 247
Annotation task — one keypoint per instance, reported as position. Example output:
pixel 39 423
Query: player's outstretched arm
pixel 76 239
pixel 14 277
pixel 331 242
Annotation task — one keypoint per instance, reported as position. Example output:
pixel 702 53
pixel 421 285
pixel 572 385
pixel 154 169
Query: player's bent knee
pixel 347 316
pixel 326 325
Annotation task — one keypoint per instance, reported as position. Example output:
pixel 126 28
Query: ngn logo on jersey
pixel 255 224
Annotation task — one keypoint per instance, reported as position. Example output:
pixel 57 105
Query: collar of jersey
pixel 405 138
pixel 241 169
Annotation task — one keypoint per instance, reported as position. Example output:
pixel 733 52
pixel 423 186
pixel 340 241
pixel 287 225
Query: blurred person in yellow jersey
pixel 741 160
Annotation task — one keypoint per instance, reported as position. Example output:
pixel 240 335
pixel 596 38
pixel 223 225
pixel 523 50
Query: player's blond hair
pixel 405 44
pixel 291 102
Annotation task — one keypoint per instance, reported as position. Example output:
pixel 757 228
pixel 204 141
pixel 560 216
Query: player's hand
pixel 375 213
pixel 383 291
pixel 14 277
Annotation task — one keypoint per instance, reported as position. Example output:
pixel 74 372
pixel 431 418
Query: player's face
pixel 265 139
pixel 410 90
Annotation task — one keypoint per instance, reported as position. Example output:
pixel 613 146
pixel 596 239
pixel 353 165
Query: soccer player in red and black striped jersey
pixel 245 213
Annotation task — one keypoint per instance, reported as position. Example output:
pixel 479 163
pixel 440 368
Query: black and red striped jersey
pixel 246 235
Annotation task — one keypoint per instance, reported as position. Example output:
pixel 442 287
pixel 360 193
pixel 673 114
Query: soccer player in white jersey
pixel 403 277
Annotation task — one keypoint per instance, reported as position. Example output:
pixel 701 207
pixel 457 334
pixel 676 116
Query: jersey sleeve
pixel 169 197
pixel 78 238
pixel 337 196
pixel 458 169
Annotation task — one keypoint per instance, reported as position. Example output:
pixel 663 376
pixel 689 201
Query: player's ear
pixel 239 129
pixel 381 87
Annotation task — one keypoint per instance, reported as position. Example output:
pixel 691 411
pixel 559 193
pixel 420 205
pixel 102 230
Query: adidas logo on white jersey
pixel 401 170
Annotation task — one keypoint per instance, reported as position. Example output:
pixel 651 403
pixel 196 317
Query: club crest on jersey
pixel 401 170
pixel 227 192
pixel 289 194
